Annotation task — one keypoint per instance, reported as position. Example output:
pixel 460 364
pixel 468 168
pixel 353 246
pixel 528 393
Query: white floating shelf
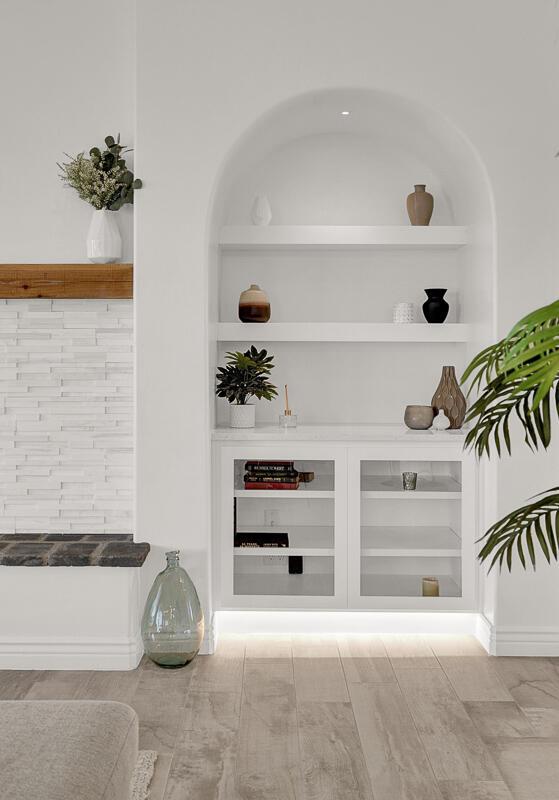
pixel 406 586
pixel 246 237
pixel 389 487
pixel 342 332
pixel 322 488
pixel 304 540
pixel 285 585
pixel 409 541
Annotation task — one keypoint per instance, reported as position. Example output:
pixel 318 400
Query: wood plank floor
pixel 326 718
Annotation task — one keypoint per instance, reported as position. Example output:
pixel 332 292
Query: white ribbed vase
pixel 103 237
pixel 242 416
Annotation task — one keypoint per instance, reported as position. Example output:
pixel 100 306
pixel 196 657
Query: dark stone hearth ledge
pixel 71 550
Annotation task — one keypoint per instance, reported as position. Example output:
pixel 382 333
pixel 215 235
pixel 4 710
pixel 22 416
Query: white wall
pixel 67 82
pixel 206 72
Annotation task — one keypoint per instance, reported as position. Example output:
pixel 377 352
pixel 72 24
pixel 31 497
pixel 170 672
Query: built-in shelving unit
pixel 243 237
pixel 366 543
pixel 342 332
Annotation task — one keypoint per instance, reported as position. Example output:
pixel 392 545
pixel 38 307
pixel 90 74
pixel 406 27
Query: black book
pixel 269 467
pixel 274 477
pixel 261 539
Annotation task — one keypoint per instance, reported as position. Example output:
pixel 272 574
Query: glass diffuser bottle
pixel 173 622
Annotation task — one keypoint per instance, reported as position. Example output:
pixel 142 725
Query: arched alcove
pixel 320 167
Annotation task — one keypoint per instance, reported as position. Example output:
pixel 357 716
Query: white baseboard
pixel 484 633
pixel 210 638
pixel 71 653
pixel 507 641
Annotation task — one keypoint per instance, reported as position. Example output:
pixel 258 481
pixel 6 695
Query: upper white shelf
pixel 321 488
pixel 342 332
pixel 243 237
pixel 389 487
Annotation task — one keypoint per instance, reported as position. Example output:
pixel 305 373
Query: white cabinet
pixel 365 542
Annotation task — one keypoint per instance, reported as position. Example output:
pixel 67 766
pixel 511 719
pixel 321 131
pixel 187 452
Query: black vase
pixel 435 308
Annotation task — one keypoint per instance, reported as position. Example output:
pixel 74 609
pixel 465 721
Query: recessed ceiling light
pixel 345 113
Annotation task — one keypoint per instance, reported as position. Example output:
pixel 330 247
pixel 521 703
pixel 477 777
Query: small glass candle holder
pixel 430 587
pixel 409 481
pixel 288 420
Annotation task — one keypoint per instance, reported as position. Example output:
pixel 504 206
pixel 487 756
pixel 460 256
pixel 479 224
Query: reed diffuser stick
pixel 287 409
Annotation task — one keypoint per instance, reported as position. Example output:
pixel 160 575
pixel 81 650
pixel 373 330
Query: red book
pixel 271 485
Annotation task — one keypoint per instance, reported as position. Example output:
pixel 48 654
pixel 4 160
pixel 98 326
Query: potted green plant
pixel 104 181
pixel 518 378
pixel 244 376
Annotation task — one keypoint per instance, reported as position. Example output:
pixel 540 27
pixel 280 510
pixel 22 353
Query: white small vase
pixel 242 416
pixel 261 213
pixel 441 421
pixel 103 237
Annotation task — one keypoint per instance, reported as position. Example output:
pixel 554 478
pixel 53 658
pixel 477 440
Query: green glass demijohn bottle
pixel 173 621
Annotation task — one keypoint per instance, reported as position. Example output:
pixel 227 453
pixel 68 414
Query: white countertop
pixel 338 433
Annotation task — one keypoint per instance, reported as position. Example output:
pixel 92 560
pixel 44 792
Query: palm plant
pixel 518 378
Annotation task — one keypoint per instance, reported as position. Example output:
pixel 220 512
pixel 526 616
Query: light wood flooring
pixel 356 718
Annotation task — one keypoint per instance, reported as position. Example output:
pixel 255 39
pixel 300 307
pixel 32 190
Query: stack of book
pixel 271 475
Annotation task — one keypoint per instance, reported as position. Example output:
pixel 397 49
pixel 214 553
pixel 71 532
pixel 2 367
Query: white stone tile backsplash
pixel 66 416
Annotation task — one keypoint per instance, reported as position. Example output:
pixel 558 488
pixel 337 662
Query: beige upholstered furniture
pixel 70 750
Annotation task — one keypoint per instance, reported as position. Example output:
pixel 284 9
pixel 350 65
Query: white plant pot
pixel 103 237
pixel 242 416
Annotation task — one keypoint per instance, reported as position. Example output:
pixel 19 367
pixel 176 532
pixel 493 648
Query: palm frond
pixel 519 532
pixel 520 377
pixel 491 417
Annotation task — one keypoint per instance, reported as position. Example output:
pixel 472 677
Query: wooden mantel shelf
pixel 66 281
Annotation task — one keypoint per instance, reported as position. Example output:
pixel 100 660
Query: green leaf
pixel 525 523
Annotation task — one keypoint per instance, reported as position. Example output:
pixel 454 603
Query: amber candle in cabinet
pixel 430 587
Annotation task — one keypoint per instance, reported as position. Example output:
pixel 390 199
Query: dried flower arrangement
pixel 102 180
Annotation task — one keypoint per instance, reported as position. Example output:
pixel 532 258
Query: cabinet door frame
pixel 468 505
pixel 225 456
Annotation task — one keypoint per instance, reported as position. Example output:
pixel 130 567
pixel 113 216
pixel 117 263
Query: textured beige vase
pixel 420 205
pixel 448 397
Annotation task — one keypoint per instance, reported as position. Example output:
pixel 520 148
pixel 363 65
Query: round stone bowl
pixel 419 418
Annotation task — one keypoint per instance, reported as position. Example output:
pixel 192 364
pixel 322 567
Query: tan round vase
pixel 254 305
pixel 448 397
pixel 420 205
pixel 419 418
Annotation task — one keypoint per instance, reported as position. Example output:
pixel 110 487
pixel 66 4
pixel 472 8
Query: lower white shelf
pixel 405 586
pixel 304 540
pixel 414 540
pixel 311 584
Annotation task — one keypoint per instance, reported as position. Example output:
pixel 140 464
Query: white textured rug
pixel 143 773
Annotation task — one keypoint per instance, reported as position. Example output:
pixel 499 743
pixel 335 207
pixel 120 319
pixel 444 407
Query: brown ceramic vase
pixel 420 205
pixel 448 397
pixel 254 305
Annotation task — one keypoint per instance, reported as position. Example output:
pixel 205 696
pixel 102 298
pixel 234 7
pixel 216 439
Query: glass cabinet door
pixel 283 538
pixel 411 541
